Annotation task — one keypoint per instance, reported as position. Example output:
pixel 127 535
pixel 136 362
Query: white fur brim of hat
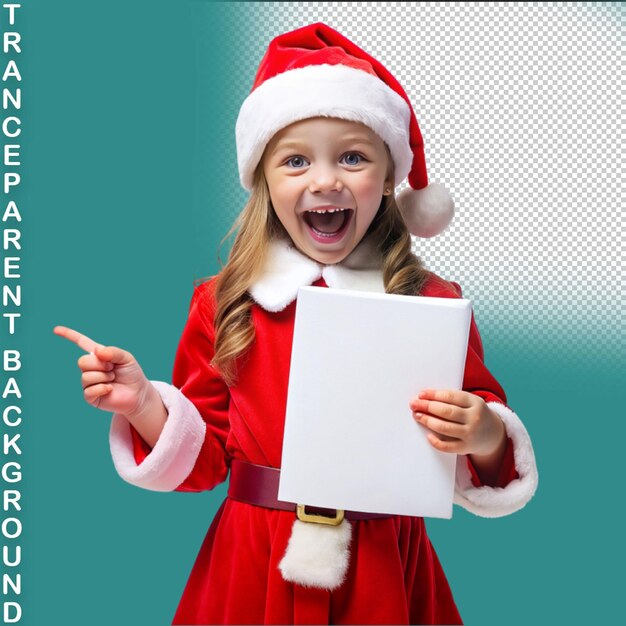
pixel 322 91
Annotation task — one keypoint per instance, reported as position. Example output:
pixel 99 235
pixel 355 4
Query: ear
pixel 388 186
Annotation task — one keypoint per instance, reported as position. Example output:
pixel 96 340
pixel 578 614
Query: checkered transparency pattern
pixel 521 107
pixel 217 197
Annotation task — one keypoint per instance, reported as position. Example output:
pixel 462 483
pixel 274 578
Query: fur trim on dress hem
pixel 317 555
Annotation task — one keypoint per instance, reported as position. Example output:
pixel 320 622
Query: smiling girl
pixel 323 139
pixel 326 179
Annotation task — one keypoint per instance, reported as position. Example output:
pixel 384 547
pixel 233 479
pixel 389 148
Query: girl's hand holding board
pixel 113 380
pixel 462 423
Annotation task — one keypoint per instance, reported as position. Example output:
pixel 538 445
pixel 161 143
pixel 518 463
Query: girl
pixel 323 138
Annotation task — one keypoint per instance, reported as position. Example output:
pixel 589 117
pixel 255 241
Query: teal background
pixel 129 184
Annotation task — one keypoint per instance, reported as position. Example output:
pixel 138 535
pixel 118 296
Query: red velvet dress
pixel 394 575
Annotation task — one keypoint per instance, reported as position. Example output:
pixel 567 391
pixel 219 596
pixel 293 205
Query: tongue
pixel 327 223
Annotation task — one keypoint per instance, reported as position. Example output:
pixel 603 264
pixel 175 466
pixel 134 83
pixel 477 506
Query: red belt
pixel 258 485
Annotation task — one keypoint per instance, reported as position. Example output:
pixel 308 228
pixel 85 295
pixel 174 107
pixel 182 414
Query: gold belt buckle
pixel 319 519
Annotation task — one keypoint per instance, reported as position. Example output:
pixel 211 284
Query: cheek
pixel 370 196
pixel 286 217
pixel 284 192
pixel 370 187
pixel 284 208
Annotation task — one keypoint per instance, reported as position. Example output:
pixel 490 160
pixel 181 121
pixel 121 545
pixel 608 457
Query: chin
pixel 328 257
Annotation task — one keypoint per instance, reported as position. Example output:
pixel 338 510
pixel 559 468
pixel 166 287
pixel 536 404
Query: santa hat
pixel 315 71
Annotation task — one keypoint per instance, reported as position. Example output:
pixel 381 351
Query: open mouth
pixel 328 225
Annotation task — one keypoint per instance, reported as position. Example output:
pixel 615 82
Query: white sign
pixel 350 439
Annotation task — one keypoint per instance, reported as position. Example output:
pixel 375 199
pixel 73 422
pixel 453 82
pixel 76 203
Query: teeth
pixel 327 210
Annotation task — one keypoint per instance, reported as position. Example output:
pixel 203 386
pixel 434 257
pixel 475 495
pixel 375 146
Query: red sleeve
pixel 507 471
pixel 200 382
pixel 477 379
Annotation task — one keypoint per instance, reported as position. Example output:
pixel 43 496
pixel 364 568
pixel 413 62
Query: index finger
pixel 457 397
pixel 82 341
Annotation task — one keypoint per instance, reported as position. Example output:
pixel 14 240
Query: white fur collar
pixel 287 269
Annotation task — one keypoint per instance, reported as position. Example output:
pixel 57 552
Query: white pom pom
pixel 427 212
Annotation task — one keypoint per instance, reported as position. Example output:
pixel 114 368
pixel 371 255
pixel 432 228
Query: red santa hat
pixel 315 71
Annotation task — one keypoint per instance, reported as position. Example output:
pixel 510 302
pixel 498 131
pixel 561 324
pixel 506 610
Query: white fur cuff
pixel 317 555
pixel 497 501
pixel 174 454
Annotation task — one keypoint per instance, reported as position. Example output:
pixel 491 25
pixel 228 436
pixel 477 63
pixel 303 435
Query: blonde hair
pixel 257 225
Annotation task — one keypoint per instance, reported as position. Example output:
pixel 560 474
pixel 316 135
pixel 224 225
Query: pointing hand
pixel 112 379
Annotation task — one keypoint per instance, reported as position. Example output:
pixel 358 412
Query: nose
pixel 325 179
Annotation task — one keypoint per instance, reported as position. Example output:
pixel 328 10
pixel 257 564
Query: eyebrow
pixel 357 139
pixel 295 144
pixel 288 145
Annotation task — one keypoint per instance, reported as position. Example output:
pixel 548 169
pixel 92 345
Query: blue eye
pixel 352 158
pixel 296 162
